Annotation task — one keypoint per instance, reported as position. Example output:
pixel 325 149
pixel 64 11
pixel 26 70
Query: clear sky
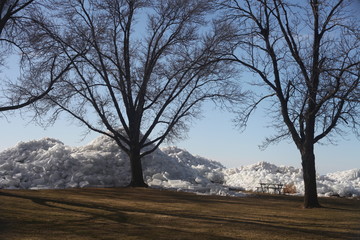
pixel 214 137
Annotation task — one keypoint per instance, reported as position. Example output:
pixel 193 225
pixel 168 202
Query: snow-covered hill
pixel 48 163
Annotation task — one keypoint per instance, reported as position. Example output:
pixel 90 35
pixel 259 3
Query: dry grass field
pixel 128 213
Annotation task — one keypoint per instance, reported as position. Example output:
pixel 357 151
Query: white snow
pixel 48 163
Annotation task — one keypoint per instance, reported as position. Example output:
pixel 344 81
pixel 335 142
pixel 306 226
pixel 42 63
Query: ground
pixel 136 213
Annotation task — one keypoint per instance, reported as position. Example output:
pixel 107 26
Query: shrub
pixel 289 188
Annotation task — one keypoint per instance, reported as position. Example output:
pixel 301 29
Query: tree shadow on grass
pixel 117 215
pixel 139 220
pixel 75 207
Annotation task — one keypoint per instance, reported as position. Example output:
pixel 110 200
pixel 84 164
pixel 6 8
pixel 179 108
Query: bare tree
pixel 143 68
pixel 306 57
pixel 9 10
pixel 12 38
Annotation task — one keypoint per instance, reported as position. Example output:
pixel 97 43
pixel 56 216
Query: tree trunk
pixel 137 179
pixel 309 174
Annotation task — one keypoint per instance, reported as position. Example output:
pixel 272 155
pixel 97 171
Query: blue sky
pixel 214 137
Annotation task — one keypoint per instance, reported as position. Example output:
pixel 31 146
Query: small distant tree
pixel 12 37
pixel 142 69
pixel 306 55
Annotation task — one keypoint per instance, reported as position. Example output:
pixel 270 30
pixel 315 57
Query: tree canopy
pixel 143 67
pixel 306 56
pixel 13 41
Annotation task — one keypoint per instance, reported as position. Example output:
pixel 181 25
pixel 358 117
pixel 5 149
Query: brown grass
pixel 127 213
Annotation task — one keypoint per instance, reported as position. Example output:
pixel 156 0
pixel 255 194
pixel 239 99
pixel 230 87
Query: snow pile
pixel 249 177
pixel 345 183
pixel 48 163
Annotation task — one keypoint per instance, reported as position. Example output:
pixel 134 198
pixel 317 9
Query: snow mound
pixel 48 163
pixel 249 177
pixel 344 183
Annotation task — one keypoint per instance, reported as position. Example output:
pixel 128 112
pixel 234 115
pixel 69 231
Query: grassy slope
pixel 154 214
